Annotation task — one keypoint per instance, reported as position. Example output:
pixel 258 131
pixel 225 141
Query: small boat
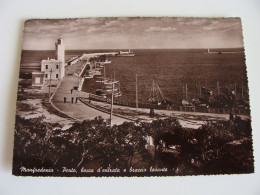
pixel 118 94
pixel 88 76
pixel 206 91
pixel 199 101
pixel 109 87
pixel 156 96
pixel 101 80
pixel 186 103
pixel 101 92
pixel 106 62
pixel 97 73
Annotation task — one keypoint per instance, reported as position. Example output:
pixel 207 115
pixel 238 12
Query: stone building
pixel 53 69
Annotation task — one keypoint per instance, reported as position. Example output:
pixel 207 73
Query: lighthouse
pixel 60 56
pixel 51 69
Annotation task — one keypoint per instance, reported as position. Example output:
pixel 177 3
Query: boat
pixel 106 61
pixel 101 92
pixel 125 54
pixel 156 96
pixel 117 91
pixel 199 101
pixel 186 103
pixel 88 77
pixel 101 64
pixel 118 94
pixel 109 87
pixel 101 80
pixel 97 73
pixel 206 91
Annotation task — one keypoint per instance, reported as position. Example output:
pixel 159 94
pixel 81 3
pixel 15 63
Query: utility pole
pixel 200 88
pixel 218 87
pixel 50 86
pixel 186 92
pixel 136 91
pixel 235 89
pixel 112 102
pixel 196 88
pixel 242 95
pixel 183 91
pixel 114 76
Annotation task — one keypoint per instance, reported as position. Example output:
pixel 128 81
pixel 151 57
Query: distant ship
pixel 125 53
pixel 221 52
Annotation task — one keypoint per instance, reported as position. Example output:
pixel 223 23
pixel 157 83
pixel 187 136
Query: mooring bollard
pixel 64 100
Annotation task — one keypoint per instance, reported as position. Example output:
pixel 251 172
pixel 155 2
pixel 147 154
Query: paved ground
pixel 76 110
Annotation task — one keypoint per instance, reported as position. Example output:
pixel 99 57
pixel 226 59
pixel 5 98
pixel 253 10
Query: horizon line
pixel 133 48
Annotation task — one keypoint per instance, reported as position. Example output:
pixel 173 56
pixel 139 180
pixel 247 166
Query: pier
pixel 68 89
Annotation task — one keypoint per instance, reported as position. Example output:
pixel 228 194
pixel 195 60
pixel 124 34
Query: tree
pixel 216 147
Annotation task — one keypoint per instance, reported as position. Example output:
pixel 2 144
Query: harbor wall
pixel 81 83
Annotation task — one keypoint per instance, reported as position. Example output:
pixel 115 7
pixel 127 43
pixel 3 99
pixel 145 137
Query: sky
pixel 133 33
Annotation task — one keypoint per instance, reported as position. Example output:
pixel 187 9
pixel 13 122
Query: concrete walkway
pixel 78 111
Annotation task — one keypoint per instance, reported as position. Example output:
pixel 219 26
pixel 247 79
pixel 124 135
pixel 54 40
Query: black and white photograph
pixel 133 96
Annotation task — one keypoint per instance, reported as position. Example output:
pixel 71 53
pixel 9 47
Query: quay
pixel 68 89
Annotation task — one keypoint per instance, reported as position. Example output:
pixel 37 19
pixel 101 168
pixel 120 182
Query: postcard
pixel 133 96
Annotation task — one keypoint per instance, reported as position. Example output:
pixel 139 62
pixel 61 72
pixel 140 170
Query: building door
pixel 37 80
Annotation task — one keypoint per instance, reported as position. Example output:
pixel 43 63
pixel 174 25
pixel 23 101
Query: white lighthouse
pixel 51 69
pixel 60 56
pixel 55 68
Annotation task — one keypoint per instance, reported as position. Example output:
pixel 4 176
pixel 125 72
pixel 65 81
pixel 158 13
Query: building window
pixel 46 66
pixel 46 75
pixel 57 66
pixel 57 75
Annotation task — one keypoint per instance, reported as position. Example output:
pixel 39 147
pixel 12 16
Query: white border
pixel 12 15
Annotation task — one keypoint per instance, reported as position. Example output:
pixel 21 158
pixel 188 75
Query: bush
pixel 216 147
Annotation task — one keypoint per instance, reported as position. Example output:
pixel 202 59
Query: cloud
pixel 132 32
pixel 222 25
pixel 160 29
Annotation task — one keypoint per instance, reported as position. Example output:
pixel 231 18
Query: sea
pixel 170 69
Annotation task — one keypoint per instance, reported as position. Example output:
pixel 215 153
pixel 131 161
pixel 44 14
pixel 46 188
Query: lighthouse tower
pixel 60 56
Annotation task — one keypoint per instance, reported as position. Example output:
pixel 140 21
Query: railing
pixel 81 84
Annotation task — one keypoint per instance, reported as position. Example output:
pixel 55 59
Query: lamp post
pixel 112 101
pixel 50 85
pixel 136 101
